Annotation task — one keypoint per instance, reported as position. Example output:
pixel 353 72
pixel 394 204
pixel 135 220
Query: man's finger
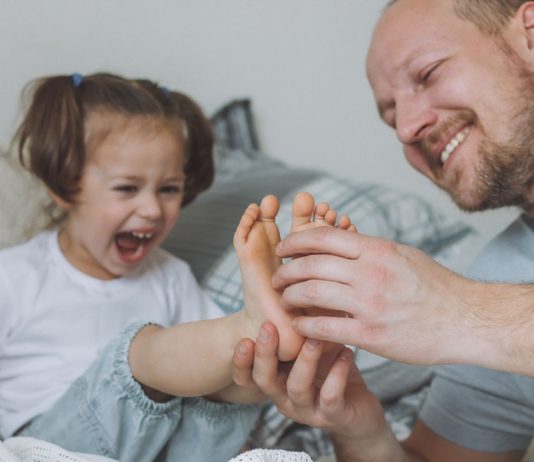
pixel 301 382
pixel 322 294
pixel 265 372
pixel 332 394
pixel 322 267
pixel 322 240
pixel 242 363
pixel 332 329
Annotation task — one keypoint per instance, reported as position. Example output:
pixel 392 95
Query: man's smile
pixel 451 146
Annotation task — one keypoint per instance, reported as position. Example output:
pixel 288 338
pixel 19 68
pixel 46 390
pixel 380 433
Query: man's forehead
pixel 393 2
pixel 419 21
pixel 411 30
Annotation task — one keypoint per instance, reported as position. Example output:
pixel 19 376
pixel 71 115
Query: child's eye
pixel 171 189
pixel 126 188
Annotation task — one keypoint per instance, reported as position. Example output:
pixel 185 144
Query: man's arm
pixel 402 304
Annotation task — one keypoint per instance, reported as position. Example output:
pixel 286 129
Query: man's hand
pixel 320 388
pixel 399 302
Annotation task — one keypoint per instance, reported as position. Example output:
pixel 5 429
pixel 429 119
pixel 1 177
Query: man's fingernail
pixel 242 348
pixel 264 335
pixel 314 343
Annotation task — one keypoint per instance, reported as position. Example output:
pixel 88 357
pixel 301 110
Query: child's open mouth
pixel 133 246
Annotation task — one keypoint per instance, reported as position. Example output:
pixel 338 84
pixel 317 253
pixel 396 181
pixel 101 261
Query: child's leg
pixel 106 412
pixel 255 241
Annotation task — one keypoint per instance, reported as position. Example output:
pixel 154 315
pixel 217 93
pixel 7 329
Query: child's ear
pixel 59 201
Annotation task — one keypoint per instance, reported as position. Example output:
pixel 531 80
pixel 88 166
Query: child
pixel 120 158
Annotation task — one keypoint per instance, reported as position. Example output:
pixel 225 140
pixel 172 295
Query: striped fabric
pixel 376 210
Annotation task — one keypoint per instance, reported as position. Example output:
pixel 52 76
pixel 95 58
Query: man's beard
pixel 505 171
pixel 504 174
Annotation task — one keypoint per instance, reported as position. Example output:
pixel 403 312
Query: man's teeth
pixel 142 235
pixel 453 144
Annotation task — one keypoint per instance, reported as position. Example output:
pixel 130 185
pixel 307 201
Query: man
pixel 455 79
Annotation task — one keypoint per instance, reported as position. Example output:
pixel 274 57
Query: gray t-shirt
pixel 478 408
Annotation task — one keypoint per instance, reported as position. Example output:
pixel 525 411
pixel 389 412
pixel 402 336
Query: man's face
pixel 458 102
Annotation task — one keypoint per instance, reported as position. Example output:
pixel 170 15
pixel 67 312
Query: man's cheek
pixel 418 161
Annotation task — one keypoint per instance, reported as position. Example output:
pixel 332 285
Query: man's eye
pixel 427 73
pixel 427 76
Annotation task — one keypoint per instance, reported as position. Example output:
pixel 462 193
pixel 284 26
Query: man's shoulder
pixel 509 257
pixel 484 379
pixel 480 409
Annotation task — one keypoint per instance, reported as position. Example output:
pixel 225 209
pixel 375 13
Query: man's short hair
pixel 490 16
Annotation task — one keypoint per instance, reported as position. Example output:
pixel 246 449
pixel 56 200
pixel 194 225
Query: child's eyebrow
pixel 179 178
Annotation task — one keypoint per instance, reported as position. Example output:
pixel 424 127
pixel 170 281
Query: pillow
pixel 234 126
pixel 23 201
pixel 244 174
pixel 203 236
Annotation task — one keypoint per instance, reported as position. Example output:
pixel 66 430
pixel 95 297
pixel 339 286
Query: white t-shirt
pixel 54 319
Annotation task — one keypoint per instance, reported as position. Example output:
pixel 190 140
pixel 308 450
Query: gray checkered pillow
pixel 203 235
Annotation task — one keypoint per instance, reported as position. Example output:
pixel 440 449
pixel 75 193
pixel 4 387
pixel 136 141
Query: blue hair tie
pixel 165 91
pixel 77 79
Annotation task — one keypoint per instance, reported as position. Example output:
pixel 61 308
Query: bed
pixel 244 174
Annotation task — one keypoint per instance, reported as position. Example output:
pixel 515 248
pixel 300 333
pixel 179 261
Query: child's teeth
pixel 142 235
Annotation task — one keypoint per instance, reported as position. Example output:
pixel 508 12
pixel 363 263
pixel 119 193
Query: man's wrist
pixel 495 327
pixel 380 448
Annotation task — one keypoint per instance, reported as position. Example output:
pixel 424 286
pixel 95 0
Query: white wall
pixel 301 62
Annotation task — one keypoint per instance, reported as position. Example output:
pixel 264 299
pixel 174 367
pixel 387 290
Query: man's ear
pixel 526 13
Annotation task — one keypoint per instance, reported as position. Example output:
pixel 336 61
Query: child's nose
pixel 150 207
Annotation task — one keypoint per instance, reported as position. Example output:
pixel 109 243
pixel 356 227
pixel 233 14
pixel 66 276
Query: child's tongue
pixel 128 243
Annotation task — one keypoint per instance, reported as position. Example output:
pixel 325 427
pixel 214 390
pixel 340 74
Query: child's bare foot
pixel 255 241
pixel 306 214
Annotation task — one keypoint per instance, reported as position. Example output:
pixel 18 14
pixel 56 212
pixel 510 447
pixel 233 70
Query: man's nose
pixel 414 118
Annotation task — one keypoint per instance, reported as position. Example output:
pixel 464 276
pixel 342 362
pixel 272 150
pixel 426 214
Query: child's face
pixel 131 195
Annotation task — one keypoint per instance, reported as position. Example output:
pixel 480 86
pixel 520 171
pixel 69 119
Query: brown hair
pixel 52 140
pixel 490 16
pixel 199 138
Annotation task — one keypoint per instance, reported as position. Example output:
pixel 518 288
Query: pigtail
pixel 199 139
pixel 199 165
pixel 51 136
